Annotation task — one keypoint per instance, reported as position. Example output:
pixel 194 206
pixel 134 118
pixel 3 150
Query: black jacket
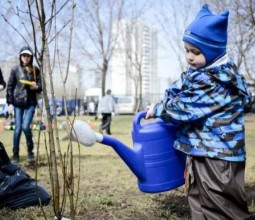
pixel 21 95
pixel 2 82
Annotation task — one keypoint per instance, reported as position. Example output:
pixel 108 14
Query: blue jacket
pixel 207 105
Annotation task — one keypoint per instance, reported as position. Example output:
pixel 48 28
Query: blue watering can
pixel 154 161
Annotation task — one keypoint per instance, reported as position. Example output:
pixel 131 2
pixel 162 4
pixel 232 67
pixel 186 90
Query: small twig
pixel 6 20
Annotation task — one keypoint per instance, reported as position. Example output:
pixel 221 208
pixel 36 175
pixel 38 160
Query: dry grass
pixel 109 189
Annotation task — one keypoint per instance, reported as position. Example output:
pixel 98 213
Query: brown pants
pixel 217 192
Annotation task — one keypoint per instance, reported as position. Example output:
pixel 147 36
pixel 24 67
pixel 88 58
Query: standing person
pixel 106 108
pixel 2 82
pixel 207 106
pixel 22 97
pixel 2 87
pixel 85 106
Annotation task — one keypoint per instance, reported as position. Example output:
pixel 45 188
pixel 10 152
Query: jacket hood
pixel 27 50
pixel 226 72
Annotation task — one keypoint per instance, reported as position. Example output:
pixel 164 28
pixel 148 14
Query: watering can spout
pixel 132 157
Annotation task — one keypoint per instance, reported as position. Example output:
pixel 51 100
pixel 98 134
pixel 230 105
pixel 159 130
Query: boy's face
pixel 194 56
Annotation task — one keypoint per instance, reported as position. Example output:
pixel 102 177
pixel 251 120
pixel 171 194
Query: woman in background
pixel 23 85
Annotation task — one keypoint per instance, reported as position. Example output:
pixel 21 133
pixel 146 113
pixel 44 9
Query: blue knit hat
pixel 208 32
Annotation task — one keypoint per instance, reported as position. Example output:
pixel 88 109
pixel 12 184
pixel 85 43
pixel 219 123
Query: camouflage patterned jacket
pixel 207 105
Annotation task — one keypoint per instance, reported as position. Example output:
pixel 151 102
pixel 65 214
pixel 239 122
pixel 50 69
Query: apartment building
pixel 134 61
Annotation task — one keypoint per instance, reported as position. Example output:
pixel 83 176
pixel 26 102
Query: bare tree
pixel 173 18
pixel 97 42
pixel 243 39
pixel 130 47
pixel 135 49
pixel 175 15
pixel 37 17
pixel 241 28
pixel 241 34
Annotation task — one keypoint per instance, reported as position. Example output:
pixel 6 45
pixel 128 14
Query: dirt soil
pixel 174 207
pixel 166 207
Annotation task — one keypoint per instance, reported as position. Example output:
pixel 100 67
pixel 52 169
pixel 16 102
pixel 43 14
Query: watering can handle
pixel 136 123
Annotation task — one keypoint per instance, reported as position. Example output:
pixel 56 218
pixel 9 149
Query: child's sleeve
pixel 198 98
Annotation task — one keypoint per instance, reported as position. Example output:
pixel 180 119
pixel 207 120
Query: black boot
pixel 15 158
pixel 108 130
pixel 30 157
pixel 30 153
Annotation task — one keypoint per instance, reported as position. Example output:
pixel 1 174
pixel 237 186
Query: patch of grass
pixel 108 188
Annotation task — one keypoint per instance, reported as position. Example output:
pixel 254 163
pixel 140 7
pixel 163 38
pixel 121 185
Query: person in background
pixel 207 106
pixel 85 106
pixel 105 111
pixel 21 97
pixel 2 82
pixel 2 87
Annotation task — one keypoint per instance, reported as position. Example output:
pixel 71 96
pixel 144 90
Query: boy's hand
pixel 150 111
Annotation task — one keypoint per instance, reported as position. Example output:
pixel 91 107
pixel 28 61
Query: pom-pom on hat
pixel 208 32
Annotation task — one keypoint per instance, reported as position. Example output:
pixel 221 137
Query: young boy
pixel 207 105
